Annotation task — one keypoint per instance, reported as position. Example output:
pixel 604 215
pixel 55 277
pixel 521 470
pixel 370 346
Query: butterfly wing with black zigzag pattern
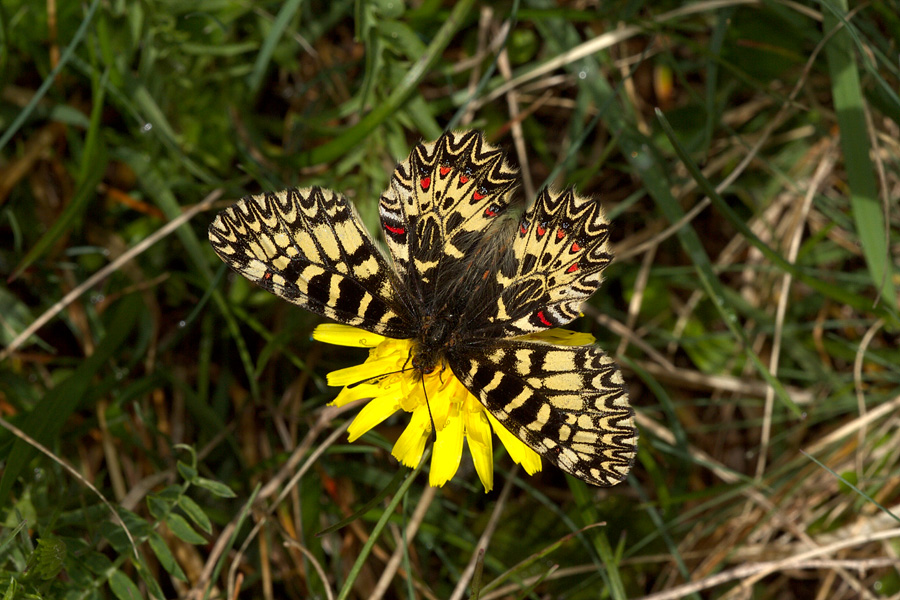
pixel 309 247
pixel 567 403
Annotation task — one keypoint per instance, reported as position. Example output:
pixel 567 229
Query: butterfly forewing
pixel 310 248
pixel 560 249
pixel 443 199
pixel 568 403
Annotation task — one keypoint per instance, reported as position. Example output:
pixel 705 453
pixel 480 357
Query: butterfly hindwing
pixel 568 403
pixel 309 247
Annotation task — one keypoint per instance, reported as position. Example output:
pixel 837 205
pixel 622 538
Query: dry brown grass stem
pixel 387 576
pixel 603 42
pixel 485 539
pixel 753 572
pixel 798 224
pixel 695 380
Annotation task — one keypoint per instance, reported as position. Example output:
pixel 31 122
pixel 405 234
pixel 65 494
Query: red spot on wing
pixel 477 196
pixel 488 212
pixel 522 229
pixel 573 268
pixel 463 179
pixel 541 231
pixel 445 170
pixel 543 319
pixel 560 234
pixel 395 230
pixel 268 275
pixel 425 182
pixel 575 247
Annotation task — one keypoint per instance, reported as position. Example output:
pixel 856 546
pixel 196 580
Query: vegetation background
pixel 164 426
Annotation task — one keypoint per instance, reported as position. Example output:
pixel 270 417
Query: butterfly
pixel 470 278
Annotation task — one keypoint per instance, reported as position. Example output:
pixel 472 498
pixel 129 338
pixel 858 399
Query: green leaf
pixel 187 472
pixel 183 530
pixel 123 587
pixel 195 513
pixel 96 562
pixel 217 488
pixel 165 556
pixel 158 507
pixel 47 560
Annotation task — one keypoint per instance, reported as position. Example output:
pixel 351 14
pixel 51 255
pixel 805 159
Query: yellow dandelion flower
pixel 387 378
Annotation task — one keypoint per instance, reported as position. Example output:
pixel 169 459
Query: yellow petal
pixel 447 450
pixel 350 394
pixel 522 454
pixel 440 398
pixel 354 374
pixel 344 335
pixel 411 443
pixel 373 413
pixel 480 441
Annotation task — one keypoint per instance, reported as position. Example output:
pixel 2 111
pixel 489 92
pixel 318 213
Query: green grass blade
pixel 268 47
pixel 849 106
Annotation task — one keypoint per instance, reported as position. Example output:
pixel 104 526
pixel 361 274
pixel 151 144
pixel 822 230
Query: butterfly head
pixel 437 336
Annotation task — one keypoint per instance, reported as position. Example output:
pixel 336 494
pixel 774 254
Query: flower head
pixel 392 384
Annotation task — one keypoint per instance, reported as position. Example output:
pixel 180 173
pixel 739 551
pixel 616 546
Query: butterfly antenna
pixel 374 377
pixel 430 416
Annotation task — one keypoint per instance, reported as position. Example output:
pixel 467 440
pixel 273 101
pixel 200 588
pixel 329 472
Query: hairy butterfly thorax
pixel 437 337
pixel 463 311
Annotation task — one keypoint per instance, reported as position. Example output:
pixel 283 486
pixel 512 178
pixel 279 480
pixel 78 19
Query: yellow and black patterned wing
pixel 568 403
pixel 443 203
pixel 559 252
pixel 309 247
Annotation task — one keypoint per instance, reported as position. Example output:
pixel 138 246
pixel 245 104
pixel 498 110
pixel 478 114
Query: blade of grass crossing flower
pixel 868 213
pixel 347 588
pixel 390 487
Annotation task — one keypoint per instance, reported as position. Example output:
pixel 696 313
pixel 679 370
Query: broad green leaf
pixel 183 530
pixel 123 587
